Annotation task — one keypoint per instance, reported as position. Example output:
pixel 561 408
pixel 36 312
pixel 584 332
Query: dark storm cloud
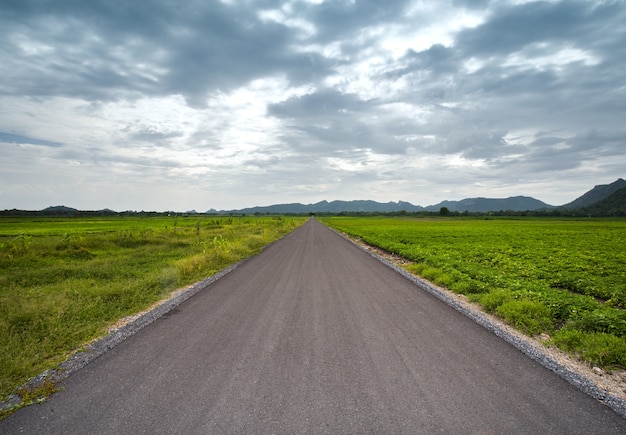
pixel 101 49
pixel 531 30
pixel 226 49
pixel 341 20
pixel 512 28
pixel 564 93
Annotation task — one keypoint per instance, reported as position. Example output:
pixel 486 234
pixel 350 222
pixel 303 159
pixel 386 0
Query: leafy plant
pixel 530 317
pixel 594 347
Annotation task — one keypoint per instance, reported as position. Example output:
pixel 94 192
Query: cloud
pixel 323 104
pixel 103 51
pixel 17 139
pixel 151 134
pixel 238 102
pixel 343 20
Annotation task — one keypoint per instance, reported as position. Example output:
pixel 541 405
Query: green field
pixel 64 281
pixel 565 278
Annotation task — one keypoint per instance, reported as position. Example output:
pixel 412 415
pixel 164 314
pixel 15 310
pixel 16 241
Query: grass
pixel 561 277
pixel 64 281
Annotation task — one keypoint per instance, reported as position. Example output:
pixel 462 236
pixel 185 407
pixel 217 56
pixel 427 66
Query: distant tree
pixel 443 211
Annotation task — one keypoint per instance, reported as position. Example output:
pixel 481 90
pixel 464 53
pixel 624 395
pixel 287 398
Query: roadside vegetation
pixel 561 279
pixel 64 281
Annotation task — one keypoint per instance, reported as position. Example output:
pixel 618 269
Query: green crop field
pixel 565 278
pixel 64 281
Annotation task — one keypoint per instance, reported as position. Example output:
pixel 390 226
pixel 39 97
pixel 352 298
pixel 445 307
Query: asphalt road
pixel 315 336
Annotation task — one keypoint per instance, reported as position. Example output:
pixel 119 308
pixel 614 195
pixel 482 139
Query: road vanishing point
pixel 315 335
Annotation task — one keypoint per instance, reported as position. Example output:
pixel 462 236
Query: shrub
pixel 467 287
pixel 529 316
pixel 492 300
pixel 602 320
pixel 565 305
pixel 595 347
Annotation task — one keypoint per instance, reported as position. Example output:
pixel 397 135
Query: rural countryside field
pixel 562 279
pixel 64 281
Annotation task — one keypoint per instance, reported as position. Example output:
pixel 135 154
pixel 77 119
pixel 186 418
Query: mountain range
pixel 598 193
pixel 602 200
pixel 472 205
pixel 612 205
pixel 329 207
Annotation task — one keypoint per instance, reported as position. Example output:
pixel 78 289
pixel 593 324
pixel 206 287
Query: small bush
pixel 417 268
pixel 467 287
pixel 492 300
pixel 529 316
pixel 595 347
pixel 618 298
pixel 462 287
pixel 565 305
pixel 602 320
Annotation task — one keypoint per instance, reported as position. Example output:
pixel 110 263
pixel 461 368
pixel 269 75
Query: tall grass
pixel 64 281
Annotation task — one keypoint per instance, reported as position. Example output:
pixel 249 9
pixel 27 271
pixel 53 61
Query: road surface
pixel 315 336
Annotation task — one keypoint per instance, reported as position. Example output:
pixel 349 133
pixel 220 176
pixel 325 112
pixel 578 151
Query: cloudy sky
pixel 170 105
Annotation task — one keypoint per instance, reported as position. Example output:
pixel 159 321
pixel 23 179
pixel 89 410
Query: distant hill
pixel 602 200
pixel 518 203
pixel 473 205
pixel 613 205
pixel 598 193
pixel 59 210
pixel 329 207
